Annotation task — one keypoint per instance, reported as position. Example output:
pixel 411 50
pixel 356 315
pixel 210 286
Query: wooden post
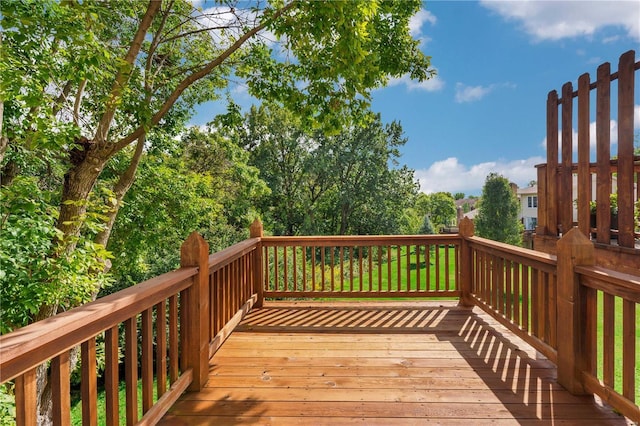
pixel 466 230
pixel 573 322
pixel 195 353
pixel 256 231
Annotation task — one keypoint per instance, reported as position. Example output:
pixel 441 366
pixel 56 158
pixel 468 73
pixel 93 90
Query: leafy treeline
pixel 344 183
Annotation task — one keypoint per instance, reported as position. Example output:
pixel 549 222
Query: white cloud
pixel 465 94
pixel 418 20
pixel 452 176
pixel 433 84
pixel 555 20
pixel 471 93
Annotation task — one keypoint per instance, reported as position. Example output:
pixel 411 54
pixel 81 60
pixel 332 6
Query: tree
pixel 498 216
pixel 87 84
pixel 440 207
pixel 458 196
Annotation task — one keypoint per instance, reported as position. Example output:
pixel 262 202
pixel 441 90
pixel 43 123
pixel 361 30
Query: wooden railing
pixel 564 306
pixel 518 287
pixel 179 318
pixel 361 266
pixel 592 179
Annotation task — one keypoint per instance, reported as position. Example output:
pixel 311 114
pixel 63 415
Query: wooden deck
pixel 380 363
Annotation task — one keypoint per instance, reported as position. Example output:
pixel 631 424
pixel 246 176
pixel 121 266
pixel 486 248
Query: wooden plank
pixel 603 153
pixel 608 336
pixel 565 185
pixel 552 163
pixel 161 347
pixel 147 359
pixel 173 339
pixel 61 389
pixel 584 149
pixel 111 384
pixel 25 399
pixel 131 370
pixel 88 383
pixel 626 83
pixel 629 349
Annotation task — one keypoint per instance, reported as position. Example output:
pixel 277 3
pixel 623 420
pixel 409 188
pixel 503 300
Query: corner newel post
pixel 256 231
pixel 575 321
pixel 195 312
pixel 466 230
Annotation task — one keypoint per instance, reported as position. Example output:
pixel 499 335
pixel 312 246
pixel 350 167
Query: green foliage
pixel 328 184
pixel 439 206
pixel 35 267
pixel 458 196
pixel 7 406
pixel 498 216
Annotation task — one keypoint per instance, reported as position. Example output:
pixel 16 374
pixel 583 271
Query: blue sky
pixel 496 62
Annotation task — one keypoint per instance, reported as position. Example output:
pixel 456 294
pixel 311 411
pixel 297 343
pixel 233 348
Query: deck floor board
pixel 381 363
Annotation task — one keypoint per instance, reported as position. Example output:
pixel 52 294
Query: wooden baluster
pixel 603 153
pixel 584 174
pixel 88 384
pixel 61 389
pixel 173 339
pixel 131 370
pixel 161 348
pixel 466 231
pixel 111 376
pixel 565 195
pixel 552 164
pixel 147 360
pixel 26 404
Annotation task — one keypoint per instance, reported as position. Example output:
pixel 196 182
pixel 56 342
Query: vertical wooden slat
pixel 173 339
pixel 603 152
pixel 526 300
pixel 446 267
pixel 341 256
pixel 535 302
pixel 276 277
pixel 542 227
pixel 61 389
pixel 437 267
pixel 379 269
pixel 304 268
pixel 88 383
pixel 131 370
pixel 590 307
pixel 398 264
pixel 147 360
pixel 295 268
pixel 427 258
pixel 389 273
pixel 625 149
pixel 508 289
pixel 161 347
pixel 333 265
pixel 370 265
pixel 608 336
pixel 322 263
pixel 552 310
pixel 351 249
pixel 360 269
pixel 565 196
pixel 516 293
pixel 629 353
pixel 408 268
pixel 417 267
pixel 266 268
pixel 286 269
pixel 552 163
pixel 584 175
pixel 25 393
pixel 111 375
pixel 313 268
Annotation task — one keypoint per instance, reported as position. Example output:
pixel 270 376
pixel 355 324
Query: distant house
pixel 528 198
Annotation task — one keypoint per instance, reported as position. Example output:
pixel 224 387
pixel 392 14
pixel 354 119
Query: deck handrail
pixel 355 266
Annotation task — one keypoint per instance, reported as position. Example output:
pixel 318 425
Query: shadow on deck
pixel 380 363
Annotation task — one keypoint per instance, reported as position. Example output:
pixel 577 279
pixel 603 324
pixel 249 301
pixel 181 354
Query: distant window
pixel 532 202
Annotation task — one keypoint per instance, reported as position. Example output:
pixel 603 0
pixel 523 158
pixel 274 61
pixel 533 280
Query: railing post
pixel 466 230
pixel 256 231
pixel 573 249
pixel 195 307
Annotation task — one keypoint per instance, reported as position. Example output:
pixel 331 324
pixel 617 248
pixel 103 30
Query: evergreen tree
pixel 498 216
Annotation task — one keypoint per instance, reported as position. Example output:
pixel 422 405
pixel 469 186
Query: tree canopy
pixel 498 215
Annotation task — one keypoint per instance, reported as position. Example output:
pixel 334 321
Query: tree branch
pixel 192 78
pixel 125 72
